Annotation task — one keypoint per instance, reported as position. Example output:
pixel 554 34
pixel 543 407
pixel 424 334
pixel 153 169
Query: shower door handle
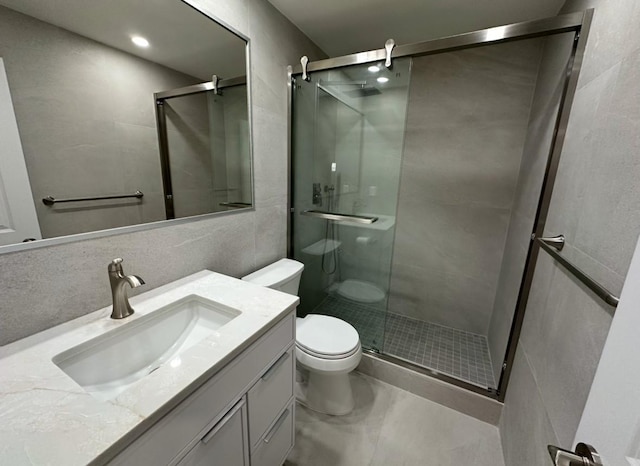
pixel 340 217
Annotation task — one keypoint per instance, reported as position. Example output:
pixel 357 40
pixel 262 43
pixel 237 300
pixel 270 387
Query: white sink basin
pixel 107 365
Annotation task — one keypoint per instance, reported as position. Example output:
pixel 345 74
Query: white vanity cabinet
pixel 243 415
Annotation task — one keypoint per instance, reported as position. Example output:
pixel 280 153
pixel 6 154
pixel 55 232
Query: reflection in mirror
pixel 109 116
pixel 203 134
pixel 344 141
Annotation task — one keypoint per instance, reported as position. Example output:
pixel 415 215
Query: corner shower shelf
pixel 321 247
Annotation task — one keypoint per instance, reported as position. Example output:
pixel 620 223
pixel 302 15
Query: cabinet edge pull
pixel 222 422
pixel 276 426
pixel 272 370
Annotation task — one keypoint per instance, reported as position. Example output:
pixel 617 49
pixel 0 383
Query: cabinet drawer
pixel 278 441
pixel 226 444
pixel 270 395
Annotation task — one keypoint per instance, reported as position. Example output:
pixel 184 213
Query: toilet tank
pixel 283 275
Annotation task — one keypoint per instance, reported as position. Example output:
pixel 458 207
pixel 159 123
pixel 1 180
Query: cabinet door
pixel 226 444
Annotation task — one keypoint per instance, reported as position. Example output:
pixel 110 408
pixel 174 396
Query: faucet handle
pixel 115 265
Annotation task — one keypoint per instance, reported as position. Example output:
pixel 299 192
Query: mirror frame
pixel 57 240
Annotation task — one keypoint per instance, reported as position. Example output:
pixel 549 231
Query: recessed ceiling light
pixel 374 68
pixel 140 41
pixel 382 79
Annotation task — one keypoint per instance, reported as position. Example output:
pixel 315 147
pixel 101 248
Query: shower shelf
pixel 321 247
pixel 338 217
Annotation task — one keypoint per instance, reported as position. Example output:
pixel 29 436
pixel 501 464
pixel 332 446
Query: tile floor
pixel 454 352
pixel 392 427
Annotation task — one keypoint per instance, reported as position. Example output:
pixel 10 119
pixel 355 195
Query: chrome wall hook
pixel 389 45
pixel 304 61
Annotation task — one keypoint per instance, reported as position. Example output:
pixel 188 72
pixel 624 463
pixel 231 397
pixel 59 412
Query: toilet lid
pixel 326 336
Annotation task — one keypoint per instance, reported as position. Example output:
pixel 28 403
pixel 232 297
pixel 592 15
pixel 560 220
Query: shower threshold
pixel 456 353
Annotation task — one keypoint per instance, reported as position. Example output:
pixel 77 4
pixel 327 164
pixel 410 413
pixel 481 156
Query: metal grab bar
pixel 50 200
pixel 551 244
pixel 237 205
pixel 340 217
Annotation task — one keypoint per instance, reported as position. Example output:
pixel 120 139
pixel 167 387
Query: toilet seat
pixel 332 367
pixel 326 337
pixel 324 356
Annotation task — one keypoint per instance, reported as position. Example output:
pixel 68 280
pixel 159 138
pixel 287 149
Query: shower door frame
pixel 163 137
pixel 579 23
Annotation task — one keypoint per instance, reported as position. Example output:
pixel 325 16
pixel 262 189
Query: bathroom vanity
pixel 224 393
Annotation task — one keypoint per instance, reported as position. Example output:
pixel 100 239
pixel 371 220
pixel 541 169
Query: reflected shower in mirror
pixel 204 150
pixel 96 134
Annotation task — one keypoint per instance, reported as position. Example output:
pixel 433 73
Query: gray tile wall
pixel 80 118
pixel 190 147
pixel 466 127
pixel 595 206
pixel 544 110
pixel 41 288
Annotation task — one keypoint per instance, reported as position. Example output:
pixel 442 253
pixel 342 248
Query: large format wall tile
pixel 525 436
pixel 466 127
pixel 542 120
pixel 594 204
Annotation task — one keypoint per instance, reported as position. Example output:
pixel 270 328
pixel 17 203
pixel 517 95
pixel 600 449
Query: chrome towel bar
pixel 340 217
pixel 50 200
pixel 237 205
pixel 552 246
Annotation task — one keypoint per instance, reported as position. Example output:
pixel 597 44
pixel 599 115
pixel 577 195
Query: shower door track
pixel 572 22
pixel 579 23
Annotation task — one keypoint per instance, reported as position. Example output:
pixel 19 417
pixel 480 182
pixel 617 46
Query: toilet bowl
pixel 327 348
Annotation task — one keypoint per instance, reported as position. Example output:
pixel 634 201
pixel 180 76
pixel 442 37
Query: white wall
pixel 43 287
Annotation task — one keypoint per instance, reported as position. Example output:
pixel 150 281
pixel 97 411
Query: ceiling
pixel 341 27
pixel 181 38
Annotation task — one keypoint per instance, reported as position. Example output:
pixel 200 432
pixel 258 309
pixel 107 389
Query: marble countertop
pixel 47 418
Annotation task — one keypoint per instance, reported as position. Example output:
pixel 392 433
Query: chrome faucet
pixel 118 280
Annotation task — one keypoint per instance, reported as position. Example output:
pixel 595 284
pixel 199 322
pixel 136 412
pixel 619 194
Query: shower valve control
pixel 317 194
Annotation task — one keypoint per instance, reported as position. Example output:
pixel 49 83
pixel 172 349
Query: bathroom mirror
pixel 118 113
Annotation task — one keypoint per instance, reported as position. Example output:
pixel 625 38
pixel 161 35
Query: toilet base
pixel 325 393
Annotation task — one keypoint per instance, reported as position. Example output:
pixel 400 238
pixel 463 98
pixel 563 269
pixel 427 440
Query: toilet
pixel 327 348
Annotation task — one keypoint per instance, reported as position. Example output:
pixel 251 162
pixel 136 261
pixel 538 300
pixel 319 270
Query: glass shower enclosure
pixel 349 131
pixel 416 188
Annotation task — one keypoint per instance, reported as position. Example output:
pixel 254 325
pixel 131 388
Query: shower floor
pixel 456 353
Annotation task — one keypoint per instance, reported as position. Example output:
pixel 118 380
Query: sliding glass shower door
pixel 348 128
